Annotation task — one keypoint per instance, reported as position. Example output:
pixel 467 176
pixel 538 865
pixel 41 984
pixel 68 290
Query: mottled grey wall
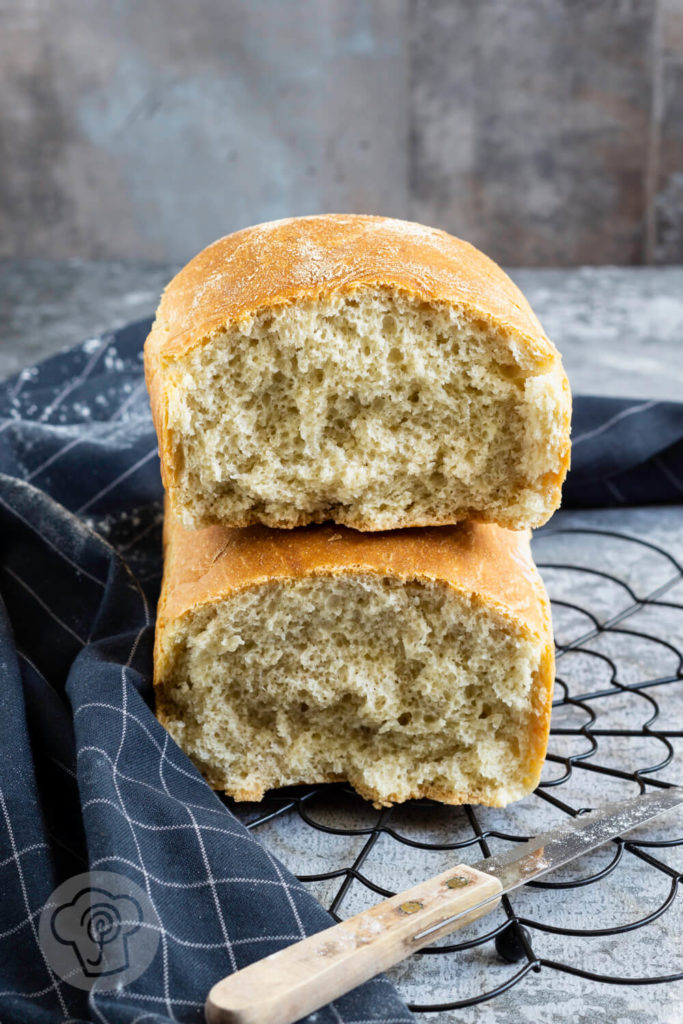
pixel 546 131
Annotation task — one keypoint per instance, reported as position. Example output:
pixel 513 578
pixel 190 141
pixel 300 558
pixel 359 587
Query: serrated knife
pixel 301 978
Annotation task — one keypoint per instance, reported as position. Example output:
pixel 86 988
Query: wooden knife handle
pixel 303 977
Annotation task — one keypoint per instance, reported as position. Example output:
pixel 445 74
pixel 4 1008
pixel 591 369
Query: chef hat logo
pixel 99 930
pixel 98 924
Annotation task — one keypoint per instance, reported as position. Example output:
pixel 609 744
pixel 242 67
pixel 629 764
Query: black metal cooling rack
pixel 598 610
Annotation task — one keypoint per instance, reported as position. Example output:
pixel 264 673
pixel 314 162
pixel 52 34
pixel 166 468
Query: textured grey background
pixel 546 131
pixel 619 328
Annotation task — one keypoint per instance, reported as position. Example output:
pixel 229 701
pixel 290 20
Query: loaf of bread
pixel 372 372
pixel 416 663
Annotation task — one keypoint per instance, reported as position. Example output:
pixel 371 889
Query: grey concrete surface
pixel 518 144
pixel 547 131
pixel 48 305
pixel 620 330
pixel 666 183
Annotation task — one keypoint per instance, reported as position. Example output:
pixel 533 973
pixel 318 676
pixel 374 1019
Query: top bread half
pixel 369 371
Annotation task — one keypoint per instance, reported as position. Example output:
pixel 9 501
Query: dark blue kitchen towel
pixel 88 778
pixel 625 452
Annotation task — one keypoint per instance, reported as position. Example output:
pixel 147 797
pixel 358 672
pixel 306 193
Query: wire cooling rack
pixel 619 676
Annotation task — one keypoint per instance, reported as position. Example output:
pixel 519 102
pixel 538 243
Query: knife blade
pixel 301 978
pixel 554 849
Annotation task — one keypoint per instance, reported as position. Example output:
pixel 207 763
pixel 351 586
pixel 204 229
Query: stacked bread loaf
pixel 359 420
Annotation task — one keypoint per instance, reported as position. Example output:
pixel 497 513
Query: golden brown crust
pixel 302 258
pixel 487 561
pixel 490 565
pixel 307 258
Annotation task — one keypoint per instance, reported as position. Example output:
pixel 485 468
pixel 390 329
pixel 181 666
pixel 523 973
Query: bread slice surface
pixel 416 663
pixel 364 370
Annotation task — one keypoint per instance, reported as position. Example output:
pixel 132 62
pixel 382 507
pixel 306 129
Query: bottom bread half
pixel 412 664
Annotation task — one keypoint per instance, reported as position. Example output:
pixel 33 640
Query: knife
pixel 303 977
